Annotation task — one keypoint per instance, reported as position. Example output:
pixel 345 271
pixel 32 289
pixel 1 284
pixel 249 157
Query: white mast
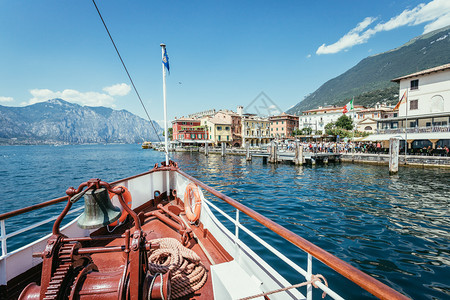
pixel 166 133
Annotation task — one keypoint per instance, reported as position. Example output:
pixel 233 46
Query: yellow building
pixel 255 130
pixel 219 130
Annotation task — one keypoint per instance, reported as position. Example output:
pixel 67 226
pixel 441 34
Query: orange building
pixel 281 126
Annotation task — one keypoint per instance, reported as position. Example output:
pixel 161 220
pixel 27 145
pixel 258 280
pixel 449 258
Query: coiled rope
pixel 188 274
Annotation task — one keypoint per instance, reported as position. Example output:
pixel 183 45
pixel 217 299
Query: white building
pixel 316 119
pixel 424 117
pixel 367 119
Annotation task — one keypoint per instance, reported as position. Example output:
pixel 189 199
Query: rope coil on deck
pixel 187 272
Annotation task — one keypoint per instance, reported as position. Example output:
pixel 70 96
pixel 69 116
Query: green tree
pixel 170 130
pixel 307 130
pixel 329 128
pixel 344 122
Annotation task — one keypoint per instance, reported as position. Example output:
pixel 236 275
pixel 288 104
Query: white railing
pixel 307 274
pixel 4 237
pixel 414 130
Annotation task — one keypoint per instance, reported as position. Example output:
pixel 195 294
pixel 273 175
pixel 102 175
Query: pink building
pixel 189 131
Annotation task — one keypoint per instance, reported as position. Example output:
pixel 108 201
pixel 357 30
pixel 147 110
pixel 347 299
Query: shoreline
pixel 416 161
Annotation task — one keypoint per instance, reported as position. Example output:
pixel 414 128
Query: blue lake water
pixel 396 228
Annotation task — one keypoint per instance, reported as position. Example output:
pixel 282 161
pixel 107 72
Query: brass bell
pixel 98 210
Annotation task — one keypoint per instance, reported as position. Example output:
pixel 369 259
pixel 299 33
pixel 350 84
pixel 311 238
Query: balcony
pixel 428 129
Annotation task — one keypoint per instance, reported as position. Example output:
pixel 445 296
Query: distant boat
pixel 147 145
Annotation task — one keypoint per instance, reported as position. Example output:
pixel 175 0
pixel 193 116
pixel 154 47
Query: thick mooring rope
pixel 187 272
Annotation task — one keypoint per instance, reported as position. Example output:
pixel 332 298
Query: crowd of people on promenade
pixel 363 147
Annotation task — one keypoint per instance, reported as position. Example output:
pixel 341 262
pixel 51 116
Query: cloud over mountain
pixel 436 13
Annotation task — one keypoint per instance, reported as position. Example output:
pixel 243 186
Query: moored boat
pixel 147 145
pixel 165 243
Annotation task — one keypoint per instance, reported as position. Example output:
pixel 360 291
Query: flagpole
pixel 166 133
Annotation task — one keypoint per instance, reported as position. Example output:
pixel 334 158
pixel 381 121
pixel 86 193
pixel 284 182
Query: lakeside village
pixel 421 117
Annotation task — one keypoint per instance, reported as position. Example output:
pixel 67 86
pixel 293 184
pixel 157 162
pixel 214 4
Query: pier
pixel 308 158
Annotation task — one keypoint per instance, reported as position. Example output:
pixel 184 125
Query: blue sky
pixel 222 53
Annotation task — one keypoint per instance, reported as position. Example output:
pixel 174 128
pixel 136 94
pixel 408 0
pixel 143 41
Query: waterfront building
pixel 230 117
pixel 281 126
pixel 424 114
pixel 188 131
pixel 219 130
pixel 316 119
pixel 367 119
pixel 203 114
pixel 255 130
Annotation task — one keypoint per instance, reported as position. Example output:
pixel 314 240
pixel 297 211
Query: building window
pixel 414 104
pixel 219 137
pixel 219 127
pixel 227 128
pixel 228 137
pixel 414 84
pixel 199 136
pixel 192 136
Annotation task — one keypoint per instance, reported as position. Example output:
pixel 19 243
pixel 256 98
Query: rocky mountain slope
pixel 59 121
pixel 369 81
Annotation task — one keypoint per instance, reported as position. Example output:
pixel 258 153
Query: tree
pixel 170 130
pixel 296 131
pixel 307 130
pixel 344 122
pixel 329 128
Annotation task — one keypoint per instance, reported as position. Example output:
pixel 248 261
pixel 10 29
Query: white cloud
pixel 87 98
pixel 82 98
pixel 120 89
pixel 436 13
pixel 6 99
pixel 308 56
pixel 353 37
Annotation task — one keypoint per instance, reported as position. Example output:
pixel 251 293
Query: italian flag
pixel 348 107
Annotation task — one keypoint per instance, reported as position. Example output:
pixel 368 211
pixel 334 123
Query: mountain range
pixel 369 81
pixel 59 121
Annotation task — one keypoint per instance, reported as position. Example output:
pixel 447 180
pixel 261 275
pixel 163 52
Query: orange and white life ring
pixel 127 197
pixel 192 213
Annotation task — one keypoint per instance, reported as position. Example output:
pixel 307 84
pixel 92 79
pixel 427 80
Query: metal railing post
pixel 236 230
pixel 3 237
pixel 309 271
pixel 236 235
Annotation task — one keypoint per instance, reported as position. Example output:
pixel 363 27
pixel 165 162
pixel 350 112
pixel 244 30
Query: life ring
pixel 192 192
pixel 127 197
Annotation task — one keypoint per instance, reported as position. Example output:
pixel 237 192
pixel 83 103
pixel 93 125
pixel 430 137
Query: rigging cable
pixel 126 70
